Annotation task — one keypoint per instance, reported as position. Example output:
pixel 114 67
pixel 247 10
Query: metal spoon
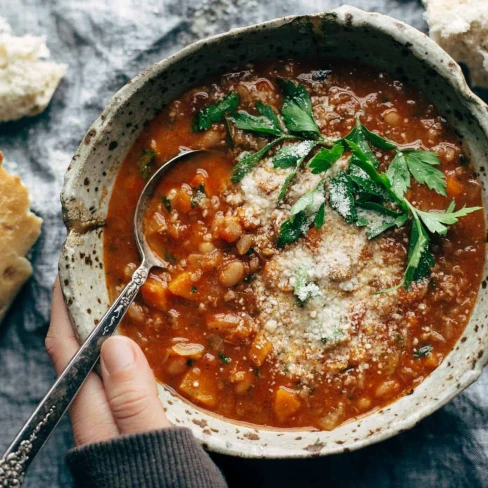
pixel 52 407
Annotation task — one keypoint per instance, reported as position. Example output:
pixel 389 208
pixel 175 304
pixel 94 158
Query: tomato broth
pixel 265 318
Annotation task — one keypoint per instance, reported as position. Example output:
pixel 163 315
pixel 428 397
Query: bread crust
pixel 27 81
pixel 19 230
pixel 460 27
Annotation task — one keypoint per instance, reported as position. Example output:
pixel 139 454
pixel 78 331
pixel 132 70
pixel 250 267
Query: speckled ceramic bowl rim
pixel 254 441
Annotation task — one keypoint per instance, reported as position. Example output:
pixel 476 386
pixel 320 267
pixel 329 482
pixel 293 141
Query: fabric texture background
pixel 106 43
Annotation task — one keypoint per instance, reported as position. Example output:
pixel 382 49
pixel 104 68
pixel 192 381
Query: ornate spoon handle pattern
pixel 42 422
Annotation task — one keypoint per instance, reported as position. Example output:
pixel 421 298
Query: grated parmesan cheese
pixel 331 318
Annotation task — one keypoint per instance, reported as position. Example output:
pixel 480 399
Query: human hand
pixel 123 401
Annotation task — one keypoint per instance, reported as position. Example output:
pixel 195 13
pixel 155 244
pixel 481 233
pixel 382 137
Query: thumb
pixel 130 387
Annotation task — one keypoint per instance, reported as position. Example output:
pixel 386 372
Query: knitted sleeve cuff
pixel 164 458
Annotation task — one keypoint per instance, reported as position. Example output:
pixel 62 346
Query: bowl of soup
pixel 323 286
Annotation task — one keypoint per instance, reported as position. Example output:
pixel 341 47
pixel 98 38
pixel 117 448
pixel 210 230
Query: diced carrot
pixel 182 200
pixel 198 179
pixel 200 387
pixel 260 348
pixel 183 286
pixel 286 403
pixel 453 186
pixel 155 294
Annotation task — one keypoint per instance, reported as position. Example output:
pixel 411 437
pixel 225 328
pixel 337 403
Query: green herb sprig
pixel 146 163
pixel 215 113
pixel 362 195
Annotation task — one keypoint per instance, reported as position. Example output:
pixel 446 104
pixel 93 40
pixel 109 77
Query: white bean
pixel 231 273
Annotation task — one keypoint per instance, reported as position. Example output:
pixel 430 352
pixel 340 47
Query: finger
pixel 130 386
pixel 90 414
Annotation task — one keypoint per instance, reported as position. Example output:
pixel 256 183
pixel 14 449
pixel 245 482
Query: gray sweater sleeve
pixel 159 459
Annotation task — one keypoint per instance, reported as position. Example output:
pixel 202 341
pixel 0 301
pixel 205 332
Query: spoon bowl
pixel 147 254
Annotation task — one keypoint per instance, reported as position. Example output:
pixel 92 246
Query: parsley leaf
pixel 215 113
pixel 146 162
pixel 170 258
pixel 310 202
pixel 293 228
pixel 304 289
pixel 341 197
pixel 225 359
pixel 297 110
pixel 269 113
pixel 167 203
pixel 325 158
pixel 198 194
pixel 423 351
pixel 420 259
pixel 377 218
pixel 436 221
pixel 357 137
pixel 290 155
pixel 365 187
pixel 262 124
pixel 247 163
pixel 308 209
pixel 320 217
pixel 377 140
pixel 399 175
pixel 422 166
pixel 366 163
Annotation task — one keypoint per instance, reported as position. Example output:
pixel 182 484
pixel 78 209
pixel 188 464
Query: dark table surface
pixel 106 43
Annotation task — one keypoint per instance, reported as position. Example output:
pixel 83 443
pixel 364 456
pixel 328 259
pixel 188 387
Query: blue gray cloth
pixel 106 43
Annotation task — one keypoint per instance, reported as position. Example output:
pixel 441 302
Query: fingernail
pixel 117 354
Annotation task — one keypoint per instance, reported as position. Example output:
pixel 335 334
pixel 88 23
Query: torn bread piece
pixel 460 27
pixel 27 81
pixel 19 230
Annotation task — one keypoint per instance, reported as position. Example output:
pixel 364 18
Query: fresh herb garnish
pixel 292 229
pixel 299 124
pixel 249 161
pixel 436 221
pixel 225 359
pixel 421 165
pixel 304 289
pixel 167 203
pixel 377 218
pixel 193 289
pixel 215 113
pixel 198 194
pixel 341 197
pixel 363 195
pixel 190 362
pixel 325 158
pixel 266 123
pixel 169 257
pixel 146 162
pixel 309 208
pixel 297 110
pixel 419 258
pixel 424 351
pixel 291 156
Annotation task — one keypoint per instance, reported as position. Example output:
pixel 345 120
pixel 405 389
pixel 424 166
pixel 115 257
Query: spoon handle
pixel 48 413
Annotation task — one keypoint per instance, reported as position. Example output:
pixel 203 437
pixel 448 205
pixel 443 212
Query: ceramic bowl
pixel 345 32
